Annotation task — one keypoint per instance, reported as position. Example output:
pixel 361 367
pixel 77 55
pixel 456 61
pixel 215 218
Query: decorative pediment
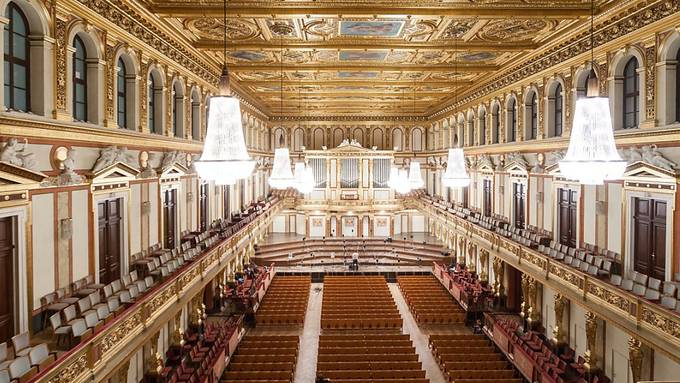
pixel 116 173
pixel 174 171
pixel 485 163
pixel 15 178
pixel 640 174
pixel 515 163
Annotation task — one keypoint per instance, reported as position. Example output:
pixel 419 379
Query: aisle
pixel 420 340
pixel 305 371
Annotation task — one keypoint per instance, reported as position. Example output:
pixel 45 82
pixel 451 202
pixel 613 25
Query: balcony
pixel 646 320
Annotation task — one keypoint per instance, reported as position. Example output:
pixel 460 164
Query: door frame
pixel 629 195
pixel 556 186
pixel 125 232
pixel 22 292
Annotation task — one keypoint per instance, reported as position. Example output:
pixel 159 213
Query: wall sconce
pixel 146 207
pixel 66 228
pixel 539 197
pixel 501 189
pixel 190 197
pixel 601 207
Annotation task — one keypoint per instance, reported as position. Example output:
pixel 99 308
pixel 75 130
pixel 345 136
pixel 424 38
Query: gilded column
pixel 534 290
pixel 61 57
pixel 122 373
pixel 519 134
pixel 169 92
pixel 499 272
pixel 567 91
pixel 591 356
pixel 541 110
pixel 526 302
pixel 650 86
pixel 484 261
pixel 110 78
pixel 143 95
pixel 561 304
pixel 635 356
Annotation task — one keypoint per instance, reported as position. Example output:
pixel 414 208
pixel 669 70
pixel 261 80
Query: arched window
pixel 195 113
pixel 557 117
pixel 495 116
pixel 151 95
pixel 482 127
pixel 631 94
pixel 533 116
pixel 79 80
pixel 512 119
pixel 122 95
pixel 16 68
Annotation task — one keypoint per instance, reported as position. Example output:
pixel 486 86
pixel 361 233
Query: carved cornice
pixel 348 118
pixel 615 26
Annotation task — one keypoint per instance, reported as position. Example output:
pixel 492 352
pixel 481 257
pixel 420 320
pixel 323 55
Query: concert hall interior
pixel 344 191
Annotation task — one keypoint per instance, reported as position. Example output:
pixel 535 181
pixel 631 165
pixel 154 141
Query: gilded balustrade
pixel 655 326
pixel 98 357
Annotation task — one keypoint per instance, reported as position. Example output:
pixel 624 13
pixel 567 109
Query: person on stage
pixel 355 261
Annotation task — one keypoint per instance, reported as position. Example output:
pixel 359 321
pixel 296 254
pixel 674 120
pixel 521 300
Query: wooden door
pixel 487 198
pixel 566 208
pixel 109 219
pixel 518 198
pixel 6 279
pixel 169 218
pixel 649 237
pixel 203 207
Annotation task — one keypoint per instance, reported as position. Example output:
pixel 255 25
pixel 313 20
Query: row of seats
pixel 80 320
pixel 27 360
pixel 470 357
pixel 355 302
pixel 285 302
pixel 365 351
pixel 428 301
pixel 263 358
pixel 194 361
pixel 582 259
pixel 651 289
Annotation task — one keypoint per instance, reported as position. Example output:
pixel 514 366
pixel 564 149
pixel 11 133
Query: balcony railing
pixel 648 321
pixel 115 342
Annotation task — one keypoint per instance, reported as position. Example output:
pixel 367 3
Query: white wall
pixel 617 367
pixel 577 329
pixel 279 224
pixel 153 213
pixel 43 246
pixel 418 224
pixel 135 219
pixel 317 226
pixel 381 226
pixel 589 202
pixel 80 241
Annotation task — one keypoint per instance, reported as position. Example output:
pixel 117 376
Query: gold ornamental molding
pixel 339 43
pixel 630 20
pixel 657 327
pixel 354 118
pixel 472 68
pixel 539 9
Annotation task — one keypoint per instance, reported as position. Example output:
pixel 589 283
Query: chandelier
pixel 415 179
pixel 592 157
pixel 399 180
pixel 304 178
pixel 456 176
pixel 225 158
pixel 282 176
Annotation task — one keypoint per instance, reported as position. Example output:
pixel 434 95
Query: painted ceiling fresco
pixel 369 57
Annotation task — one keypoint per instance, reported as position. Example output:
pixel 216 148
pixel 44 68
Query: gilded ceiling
pixel 370 57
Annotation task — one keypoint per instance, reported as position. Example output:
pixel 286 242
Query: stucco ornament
pixel 17 155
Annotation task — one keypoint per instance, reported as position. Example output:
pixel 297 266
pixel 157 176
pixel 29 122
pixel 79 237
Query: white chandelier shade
pixel 456 175
pixel 304 178
pixel 403 182
pixel 225 156
pixel 282 175
pixel 592 157
pixel 415 179
pixel 398 180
